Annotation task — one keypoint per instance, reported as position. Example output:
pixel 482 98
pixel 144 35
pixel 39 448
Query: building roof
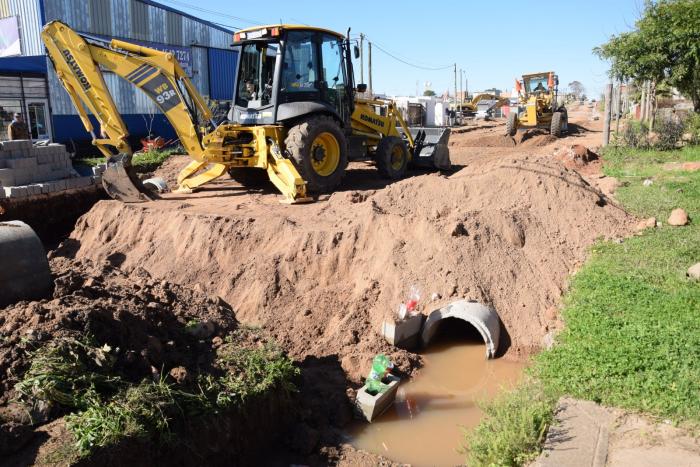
pixel 187 15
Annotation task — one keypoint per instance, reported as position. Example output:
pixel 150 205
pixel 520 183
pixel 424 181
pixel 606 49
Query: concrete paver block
pixel 7 177
pixel 372 406
pixel 404 334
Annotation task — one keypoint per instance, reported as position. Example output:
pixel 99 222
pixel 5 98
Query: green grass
pixel 106 409
pixel 142 161
pixel 514 427
pixel 632 316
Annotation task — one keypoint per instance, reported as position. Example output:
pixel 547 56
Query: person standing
pixel 18 129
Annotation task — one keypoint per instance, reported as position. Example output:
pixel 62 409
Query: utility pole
pixel 461 88
pixel 619 106
pixel 369 66
pixel 608 111
pixel 455 85
pixel 362 58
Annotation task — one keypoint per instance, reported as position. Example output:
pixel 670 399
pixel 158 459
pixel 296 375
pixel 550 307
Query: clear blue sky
pixel 494 41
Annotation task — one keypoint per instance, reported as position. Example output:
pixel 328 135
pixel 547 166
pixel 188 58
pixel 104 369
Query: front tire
pixel 319 150
pixel 512 124
pixel 392 157
pixel 557 124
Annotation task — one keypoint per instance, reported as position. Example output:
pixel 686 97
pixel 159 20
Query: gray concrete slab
pixel 579 436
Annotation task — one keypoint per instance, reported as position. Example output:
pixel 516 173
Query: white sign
pixel 9 37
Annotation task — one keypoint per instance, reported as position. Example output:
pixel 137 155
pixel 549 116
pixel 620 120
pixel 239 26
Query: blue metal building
pixel 29 85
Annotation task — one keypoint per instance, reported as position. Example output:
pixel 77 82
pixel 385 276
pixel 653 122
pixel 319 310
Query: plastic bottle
pixel 381 366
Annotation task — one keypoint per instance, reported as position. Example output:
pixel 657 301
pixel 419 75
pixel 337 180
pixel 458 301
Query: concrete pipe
pixel 24 269
pixel 483 318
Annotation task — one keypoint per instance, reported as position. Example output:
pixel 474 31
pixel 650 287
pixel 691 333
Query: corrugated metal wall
pixel 222 64
pixel 132 19
pixel 29 23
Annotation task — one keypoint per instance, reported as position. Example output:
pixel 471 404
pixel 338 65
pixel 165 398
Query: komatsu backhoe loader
pixel 294 118
pixel 538 94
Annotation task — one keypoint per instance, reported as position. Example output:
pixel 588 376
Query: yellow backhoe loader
pixel 538 94
pixel 471 108
pixel 294 119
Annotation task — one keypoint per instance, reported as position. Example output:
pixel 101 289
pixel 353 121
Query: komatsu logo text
pixel 76 70
pixel 372 120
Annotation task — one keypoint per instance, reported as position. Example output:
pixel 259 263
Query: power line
pixel 214 12
pixel 429 68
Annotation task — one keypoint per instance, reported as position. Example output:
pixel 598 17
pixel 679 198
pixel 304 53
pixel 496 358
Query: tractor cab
pixel 286 72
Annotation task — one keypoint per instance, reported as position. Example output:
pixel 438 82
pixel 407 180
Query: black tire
pixel 556 125
pixel 250 177
pixel 306 145
pixel 392 157
pixel 565 122
pixel 512 124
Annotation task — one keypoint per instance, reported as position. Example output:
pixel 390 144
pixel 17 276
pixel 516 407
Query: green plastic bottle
pixel 381 365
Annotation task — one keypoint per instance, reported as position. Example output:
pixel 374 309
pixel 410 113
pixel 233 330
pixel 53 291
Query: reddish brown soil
pixel 322 277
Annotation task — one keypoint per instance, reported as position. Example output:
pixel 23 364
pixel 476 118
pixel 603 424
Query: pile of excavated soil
pixel 150 324
pixel 322 277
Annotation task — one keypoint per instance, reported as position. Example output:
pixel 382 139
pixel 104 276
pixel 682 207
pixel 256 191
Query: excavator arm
pixel 79 61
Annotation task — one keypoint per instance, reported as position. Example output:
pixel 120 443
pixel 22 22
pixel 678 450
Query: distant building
pixel 29 85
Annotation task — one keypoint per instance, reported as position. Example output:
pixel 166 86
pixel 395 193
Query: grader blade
pixel 431 150
pixel 121 182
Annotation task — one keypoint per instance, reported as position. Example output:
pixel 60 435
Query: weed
pixel 513 429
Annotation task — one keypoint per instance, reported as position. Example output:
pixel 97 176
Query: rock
pixel 648 182
pixel 203 329
pixel 179 374
pixel 694 271
pixel 459 230
pixel 217 342
pixel 649 223
pixel 690 166
pixel 581 154
pixel 678 217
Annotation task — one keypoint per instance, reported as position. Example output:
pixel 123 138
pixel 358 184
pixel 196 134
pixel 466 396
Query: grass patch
pixel 143 162
pixel 514 427
pixel 631 317
pixel 106 409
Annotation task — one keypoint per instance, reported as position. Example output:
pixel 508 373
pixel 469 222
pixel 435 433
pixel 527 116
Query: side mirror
pixel 361 87
pixel 356 50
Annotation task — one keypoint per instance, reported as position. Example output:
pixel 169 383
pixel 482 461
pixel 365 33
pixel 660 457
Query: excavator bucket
pixel 121 182
pixel 431 150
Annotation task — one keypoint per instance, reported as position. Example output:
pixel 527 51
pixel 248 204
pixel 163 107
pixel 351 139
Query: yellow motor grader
pixel 294 119
pixel 538 94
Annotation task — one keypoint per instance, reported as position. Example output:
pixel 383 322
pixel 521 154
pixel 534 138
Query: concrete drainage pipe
pixel 24 269
pixel 483 318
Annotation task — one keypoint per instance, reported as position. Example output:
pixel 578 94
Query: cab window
pixel 300 68
pixel 333 76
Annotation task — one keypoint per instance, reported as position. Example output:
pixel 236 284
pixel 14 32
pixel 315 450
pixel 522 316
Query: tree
pixel 577 89
pixel 428 92
pixel 663 47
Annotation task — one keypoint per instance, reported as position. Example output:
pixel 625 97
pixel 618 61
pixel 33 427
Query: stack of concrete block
pixel 27 170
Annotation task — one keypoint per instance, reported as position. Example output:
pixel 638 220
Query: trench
pixel 425 426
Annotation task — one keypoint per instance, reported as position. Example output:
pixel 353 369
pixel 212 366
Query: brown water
pixel 425 425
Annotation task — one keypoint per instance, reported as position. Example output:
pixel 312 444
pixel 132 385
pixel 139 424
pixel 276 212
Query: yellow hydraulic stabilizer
pixel 77 60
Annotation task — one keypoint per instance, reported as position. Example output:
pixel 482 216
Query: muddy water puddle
pixel 425 425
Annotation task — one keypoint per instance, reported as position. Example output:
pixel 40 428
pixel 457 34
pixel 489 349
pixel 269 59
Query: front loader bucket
pixel 121 183
pixel 431 150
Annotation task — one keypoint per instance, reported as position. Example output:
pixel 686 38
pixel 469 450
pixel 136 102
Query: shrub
pixel 692 126
pixel 636 135
pixel 669 131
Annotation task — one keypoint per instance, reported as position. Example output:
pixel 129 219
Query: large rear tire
pixel 557 124
pixel 319 150
pixel 512 124
pixel 392 157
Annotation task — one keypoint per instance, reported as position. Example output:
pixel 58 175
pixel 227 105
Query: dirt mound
pixel 487 141
pixel 534 138
pixel 322 277
pixel 152 324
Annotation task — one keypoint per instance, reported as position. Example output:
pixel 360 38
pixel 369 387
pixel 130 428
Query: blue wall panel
pixel 222 73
